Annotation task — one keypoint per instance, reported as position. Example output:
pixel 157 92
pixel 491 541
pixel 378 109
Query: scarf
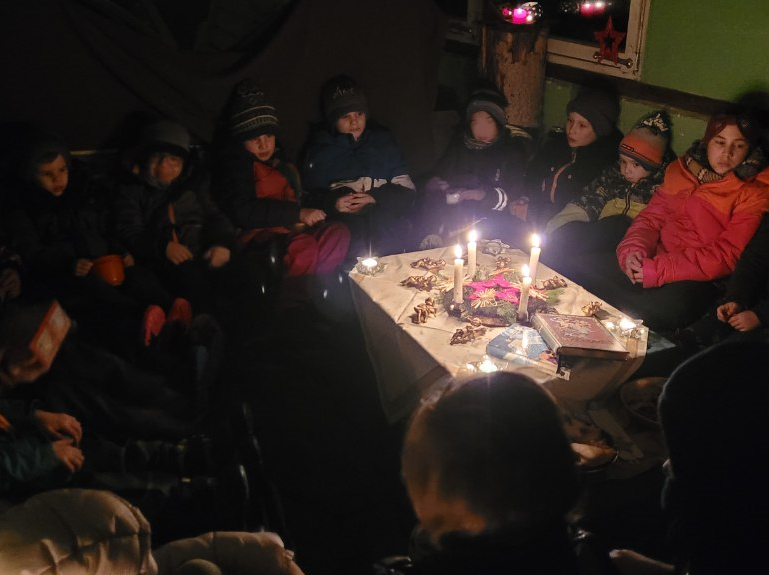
pixel 696 161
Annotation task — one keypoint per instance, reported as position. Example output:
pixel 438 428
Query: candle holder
pixel 455 309
pixel 369 266
pixel 523 318
pixel 485 365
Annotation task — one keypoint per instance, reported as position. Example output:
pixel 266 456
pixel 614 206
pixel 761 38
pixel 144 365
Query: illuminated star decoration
pixel 608 33
pixel 489 292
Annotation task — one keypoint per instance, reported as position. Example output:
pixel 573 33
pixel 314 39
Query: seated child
pixel 261 192
pixel 491 476
pixel 165 215
pixel 478 176
pixel 599 218
pixel 570 158
pixel 355 172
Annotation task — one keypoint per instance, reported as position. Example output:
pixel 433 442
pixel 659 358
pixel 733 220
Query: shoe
pixel 152 323
pixel 181 311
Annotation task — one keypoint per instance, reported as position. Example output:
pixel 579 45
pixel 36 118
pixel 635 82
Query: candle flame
pixel 473 236
pixel 458 251
pixel 534 240
pixel 525 270
pixel 369 262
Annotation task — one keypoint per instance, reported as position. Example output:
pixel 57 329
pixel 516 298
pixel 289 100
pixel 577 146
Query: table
pixel 412 360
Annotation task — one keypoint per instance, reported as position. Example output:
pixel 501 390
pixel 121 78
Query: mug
pixel 110 268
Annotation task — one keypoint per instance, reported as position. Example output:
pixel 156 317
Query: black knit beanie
pixel 40 148
pixel 340 96
pixel 487 100
pixel 250 113
pixel 598 108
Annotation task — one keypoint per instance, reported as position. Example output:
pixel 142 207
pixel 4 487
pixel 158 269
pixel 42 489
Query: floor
pixel 335 460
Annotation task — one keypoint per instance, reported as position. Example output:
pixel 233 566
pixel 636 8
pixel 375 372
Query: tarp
pixel 85 70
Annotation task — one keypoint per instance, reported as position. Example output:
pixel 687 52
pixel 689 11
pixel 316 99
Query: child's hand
pixel 59 425
pixel 310 216
pixel 68 455
pixel 217 256
pixel 727 310
pixel 10 284
pixel 177 253
pixel 128 260
pixel 634 267
pixel 745 321
pixel 360 201
pixel 82 267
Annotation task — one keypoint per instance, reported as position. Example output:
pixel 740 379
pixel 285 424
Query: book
pixel 578 336
pixel 524 346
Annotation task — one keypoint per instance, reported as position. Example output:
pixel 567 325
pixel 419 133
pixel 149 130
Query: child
pixel 599 218
pixel 355 172
pixel 165 215
pixel 478 176
pixel 261 192
pixel 569 160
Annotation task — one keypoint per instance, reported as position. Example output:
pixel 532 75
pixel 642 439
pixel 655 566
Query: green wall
pixel 713 48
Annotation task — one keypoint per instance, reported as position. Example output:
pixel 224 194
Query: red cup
pixel 110 268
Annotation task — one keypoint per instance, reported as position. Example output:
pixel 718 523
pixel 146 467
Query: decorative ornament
pixel 591 308
pixel 422 283
pixel 554 282
pixel 429 264
pixel 609 52
pixel 468 334
pixel 424 310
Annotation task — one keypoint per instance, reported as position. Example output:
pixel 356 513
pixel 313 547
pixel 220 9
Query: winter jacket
pixel 333 159
pixel 257 195
pixel 692 230
pixel 558 174
pixel 51 233
pixel 148 217
pixel 77 532
pixel 496 168
pixel 749 284
pixel 25 455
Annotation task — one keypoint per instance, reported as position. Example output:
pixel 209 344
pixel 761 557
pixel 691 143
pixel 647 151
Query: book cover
pixel 578 336
pixel 524 346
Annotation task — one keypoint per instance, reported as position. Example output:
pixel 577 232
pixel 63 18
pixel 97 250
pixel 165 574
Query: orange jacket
pixel 694 231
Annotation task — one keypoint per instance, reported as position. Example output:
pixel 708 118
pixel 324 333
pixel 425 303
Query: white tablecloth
pixel 411 360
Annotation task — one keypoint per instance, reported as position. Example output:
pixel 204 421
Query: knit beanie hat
pixel 250 113
pixel 166 136
pixel 38 148
pixel 648 141
pixel 598 108
pixel 487 100
pixel 340 96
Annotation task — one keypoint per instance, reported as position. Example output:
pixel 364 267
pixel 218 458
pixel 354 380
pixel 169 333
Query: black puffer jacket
pixel 143 218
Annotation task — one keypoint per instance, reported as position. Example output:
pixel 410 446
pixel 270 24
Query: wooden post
pixel 514 59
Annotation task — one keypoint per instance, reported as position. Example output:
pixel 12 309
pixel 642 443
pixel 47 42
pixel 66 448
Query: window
pixel 573 26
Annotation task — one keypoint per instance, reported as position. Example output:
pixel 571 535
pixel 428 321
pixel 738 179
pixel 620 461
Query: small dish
pixel 640 397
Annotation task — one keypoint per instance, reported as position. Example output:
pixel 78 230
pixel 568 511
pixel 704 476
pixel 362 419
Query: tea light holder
pixel 485 365
pixel 369 266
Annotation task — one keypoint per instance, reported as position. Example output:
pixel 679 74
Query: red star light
pixel 608 33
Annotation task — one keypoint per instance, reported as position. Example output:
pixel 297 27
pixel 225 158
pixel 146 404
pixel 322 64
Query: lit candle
pixel 523 302
pixel 519 15
pixel 486 365
pixel 471 247
pixel 369 262
pixel 459 274
pixel 534 258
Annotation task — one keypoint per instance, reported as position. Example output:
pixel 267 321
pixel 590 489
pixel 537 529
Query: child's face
pixel 631 170
pixel 164 167
pixel 579 131
pixel 53 176
pixel 483 126
pixel 263 147
pixel 727 150
pixel 353 123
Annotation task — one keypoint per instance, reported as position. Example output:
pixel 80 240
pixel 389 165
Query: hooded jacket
pixel 692 230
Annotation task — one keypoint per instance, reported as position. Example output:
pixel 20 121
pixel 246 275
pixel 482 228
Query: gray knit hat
pixel 598 108
pixel 166 136
pixel 340 96
pixel 487 100
pixel 250 113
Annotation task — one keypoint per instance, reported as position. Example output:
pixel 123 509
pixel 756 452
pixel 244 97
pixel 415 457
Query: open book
pixel 524 346
pixel 579 336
